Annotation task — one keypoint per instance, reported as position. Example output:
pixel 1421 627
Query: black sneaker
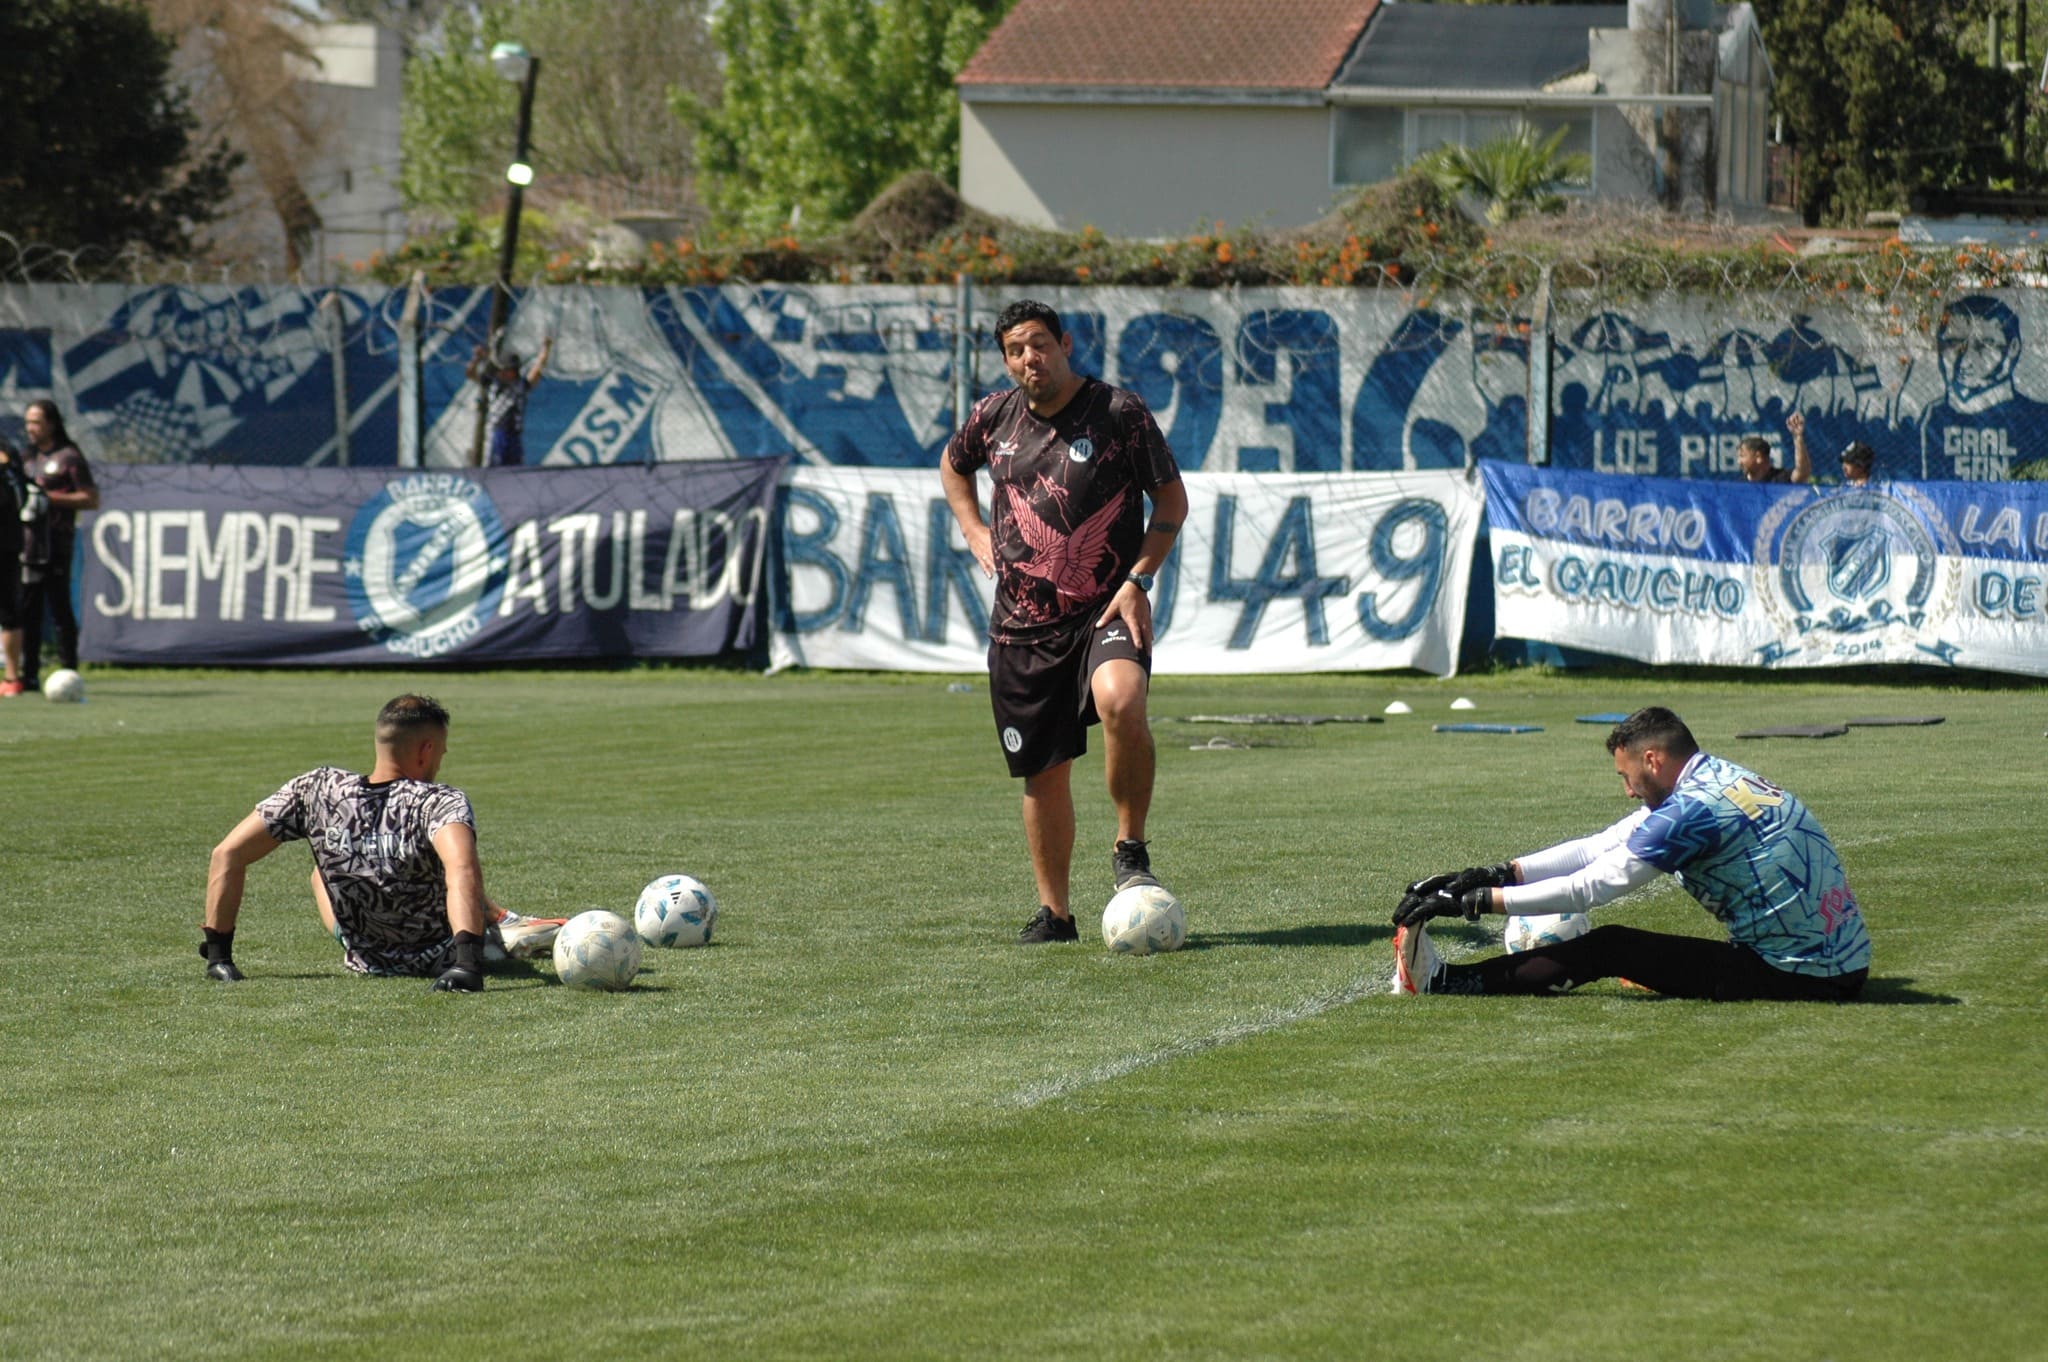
pixel 1045 926
pixel 1131 864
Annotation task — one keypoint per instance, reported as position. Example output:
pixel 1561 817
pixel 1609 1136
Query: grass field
pixel 865 1124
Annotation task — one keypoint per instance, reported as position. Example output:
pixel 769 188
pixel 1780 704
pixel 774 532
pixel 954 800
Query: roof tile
pixel 1172 44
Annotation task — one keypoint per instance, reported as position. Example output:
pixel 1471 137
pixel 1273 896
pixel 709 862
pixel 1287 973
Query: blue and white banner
pixel 1272 573
pixel 327 567
pixel 1772 575
pixel 1283 380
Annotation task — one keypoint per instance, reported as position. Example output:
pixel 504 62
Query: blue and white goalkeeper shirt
pixel 1752 854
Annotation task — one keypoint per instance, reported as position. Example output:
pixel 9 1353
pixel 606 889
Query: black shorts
pixel 1042 695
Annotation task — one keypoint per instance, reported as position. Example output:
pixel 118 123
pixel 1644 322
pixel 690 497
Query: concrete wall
pixel 1625 167
pixel 354 180
pixel 1146 170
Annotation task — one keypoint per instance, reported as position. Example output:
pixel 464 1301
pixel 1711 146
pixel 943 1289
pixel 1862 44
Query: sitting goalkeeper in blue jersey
pixel 1751 853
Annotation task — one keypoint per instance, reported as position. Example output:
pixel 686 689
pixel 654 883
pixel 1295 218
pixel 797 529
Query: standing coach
pixel 1071 461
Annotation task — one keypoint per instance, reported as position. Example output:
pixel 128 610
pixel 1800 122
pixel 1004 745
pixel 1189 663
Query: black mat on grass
pixel 1796 731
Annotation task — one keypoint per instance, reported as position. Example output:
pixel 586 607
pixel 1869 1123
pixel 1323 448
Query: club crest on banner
pixel 1858 564
pixel 425 564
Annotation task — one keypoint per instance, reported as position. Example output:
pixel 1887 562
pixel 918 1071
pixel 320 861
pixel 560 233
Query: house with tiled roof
pixel 1150 117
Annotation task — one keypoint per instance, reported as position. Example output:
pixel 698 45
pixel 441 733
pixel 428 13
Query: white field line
pixel 1231 1033
pixel 1875 839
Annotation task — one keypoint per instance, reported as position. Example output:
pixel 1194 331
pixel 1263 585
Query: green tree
pixel 244 63
pixel 455 124
pixel 827 101
pixel 1513 174
pixel 97 146
pixel 601 112
pixel 1885 98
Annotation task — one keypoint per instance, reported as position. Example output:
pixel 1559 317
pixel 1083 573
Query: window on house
pixel 1372 143
pixel 1368 144
pixel 1436 127
pixel 1578 126
pixel 1490 126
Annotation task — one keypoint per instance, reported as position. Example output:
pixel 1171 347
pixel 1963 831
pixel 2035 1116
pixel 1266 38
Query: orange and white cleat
pixel 1416 962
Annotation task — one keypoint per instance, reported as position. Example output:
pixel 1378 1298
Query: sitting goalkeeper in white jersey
pixel 1752 854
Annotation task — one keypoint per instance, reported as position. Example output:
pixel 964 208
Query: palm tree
pixel 1514 173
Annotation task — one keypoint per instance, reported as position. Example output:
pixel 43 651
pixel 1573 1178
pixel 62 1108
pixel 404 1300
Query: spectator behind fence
pixel 1753 455
pixel 506 389
pixel 1857 461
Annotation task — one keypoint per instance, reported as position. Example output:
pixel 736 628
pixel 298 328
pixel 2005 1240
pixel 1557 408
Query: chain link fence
pixel 1630 356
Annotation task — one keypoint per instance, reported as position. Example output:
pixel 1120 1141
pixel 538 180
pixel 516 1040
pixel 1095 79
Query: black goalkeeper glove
pixel 1483 877
pixel 219 954
pixel 1454 883
pixel 1434 884
pixel 1463 881
pixel 1416 909
pixel 466 975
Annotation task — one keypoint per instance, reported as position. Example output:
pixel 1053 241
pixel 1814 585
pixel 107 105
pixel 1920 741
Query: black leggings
pixel 52 587
pixel 1679 966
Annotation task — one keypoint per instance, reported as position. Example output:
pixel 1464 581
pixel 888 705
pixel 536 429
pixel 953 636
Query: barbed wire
pixel 1682 309
pixel 1889 298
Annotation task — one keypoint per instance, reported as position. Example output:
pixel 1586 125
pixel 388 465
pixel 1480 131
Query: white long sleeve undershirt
pixel 1580 875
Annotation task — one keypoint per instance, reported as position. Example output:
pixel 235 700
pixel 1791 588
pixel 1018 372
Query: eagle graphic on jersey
pixel 1069 561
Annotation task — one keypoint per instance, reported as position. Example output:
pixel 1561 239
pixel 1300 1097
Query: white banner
pixel 1272 573
pixel 1666 571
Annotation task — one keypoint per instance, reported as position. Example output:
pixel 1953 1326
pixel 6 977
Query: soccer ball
pixel 64 687
pixel 675 910
pixel 1527 933
pixel 1143 919
pixel 597 949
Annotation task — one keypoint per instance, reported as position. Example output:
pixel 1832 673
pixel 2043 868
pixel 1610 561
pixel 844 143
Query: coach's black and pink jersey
pixel 1068 506
pixel 373 846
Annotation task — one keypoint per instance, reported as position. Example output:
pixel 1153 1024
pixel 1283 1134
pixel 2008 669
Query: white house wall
pixel 353 179
pixel 1145 170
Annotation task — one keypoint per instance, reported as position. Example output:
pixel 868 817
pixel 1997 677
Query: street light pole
pixel 514 63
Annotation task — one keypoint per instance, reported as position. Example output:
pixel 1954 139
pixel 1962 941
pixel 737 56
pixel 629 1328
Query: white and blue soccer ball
pixel 1527 933
pixel 65 687
pixel 1144 919
pixel 597 949
pixel 675 910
